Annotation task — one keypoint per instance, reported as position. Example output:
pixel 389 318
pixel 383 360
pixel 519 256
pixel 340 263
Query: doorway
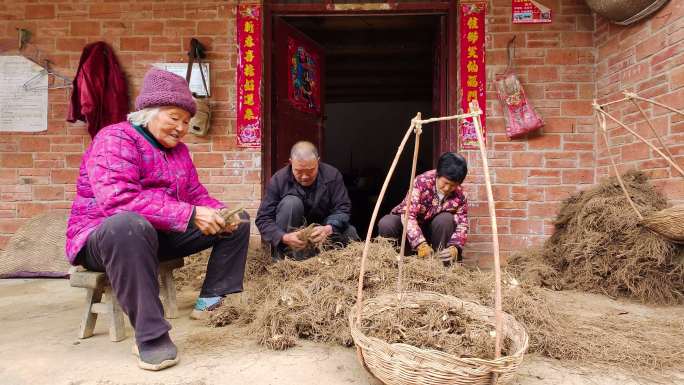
pixel 380 70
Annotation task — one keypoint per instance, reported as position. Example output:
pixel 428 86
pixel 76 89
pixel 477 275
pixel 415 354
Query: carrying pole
pixel 474 107
pixel 418 129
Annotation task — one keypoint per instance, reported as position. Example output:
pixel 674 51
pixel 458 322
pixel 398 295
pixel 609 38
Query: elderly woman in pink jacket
pixel 139 201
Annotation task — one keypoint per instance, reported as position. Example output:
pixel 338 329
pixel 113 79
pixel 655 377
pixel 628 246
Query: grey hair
pixel 144 116
pixel 304 150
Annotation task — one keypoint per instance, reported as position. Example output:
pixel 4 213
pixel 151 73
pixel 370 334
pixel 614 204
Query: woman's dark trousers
pixel 128 249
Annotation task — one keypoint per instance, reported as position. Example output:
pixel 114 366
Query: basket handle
pixel 634 97
pixel 416 125
pixel 604 133
pixel 474 107
pixel 600 110
pixel 374 216
pixel 418 129
pixel 371 226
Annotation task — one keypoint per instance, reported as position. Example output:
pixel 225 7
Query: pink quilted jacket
pixel 123 171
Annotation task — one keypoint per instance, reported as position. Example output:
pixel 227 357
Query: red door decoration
pixel 249 75
pixel 303 85
pixel 473 75
pixel 530 12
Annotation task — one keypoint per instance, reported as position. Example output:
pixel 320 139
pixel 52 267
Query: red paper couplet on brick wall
pixel 248 26
pixel 530 12
pixel 473 74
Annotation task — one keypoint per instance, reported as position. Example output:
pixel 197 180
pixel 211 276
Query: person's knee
pixel 127 229
pixel 128 224
pixel 443 221
pixel 290 213
pixel 386 226
pixel 291 203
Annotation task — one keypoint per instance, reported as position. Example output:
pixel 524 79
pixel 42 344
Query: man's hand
pixel 321 233
pixel 208 220
pixel 292 240
pixel 424 250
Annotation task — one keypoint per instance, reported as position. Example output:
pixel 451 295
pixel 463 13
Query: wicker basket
pixel 402 364
pixel 625 12
pixel 668 222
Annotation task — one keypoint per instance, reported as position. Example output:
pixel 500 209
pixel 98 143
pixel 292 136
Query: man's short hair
pixel 453 167
pixel 303 150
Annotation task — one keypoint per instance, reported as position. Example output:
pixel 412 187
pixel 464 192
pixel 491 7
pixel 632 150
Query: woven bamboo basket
pixel 668 222
pixel 402 364
pixel 625 12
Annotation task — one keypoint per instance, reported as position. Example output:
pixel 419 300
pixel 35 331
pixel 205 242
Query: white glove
pixel 449 255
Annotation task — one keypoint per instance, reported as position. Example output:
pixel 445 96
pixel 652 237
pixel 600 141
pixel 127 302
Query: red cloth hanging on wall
pixel 100 93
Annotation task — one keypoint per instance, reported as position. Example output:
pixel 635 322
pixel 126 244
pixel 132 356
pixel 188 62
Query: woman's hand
pixel 424 250
pixel 208 220
pixel 231 226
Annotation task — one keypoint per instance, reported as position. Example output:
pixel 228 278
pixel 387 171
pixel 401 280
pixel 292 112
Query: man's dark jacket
pixel 331 204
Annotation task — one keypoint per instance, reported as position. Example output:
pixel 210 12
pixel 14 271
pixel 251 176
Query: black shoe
pixel 156 354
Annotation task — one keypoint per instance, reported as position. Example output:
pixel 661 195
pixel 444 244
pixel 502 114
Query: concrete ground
pixel 39 319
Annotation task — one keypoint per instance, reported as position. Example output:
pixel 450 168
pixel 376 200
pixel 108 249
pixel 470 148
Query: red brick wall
pixel 555 63
pixel 561 66
pixel 38 171
pixel 646 58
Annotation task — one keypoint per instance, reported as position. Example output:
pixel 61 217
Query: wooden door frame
pixel 448 91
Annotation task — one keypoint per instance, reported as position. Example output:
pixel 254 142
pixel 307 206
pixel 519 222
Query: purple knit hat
pixel 163 88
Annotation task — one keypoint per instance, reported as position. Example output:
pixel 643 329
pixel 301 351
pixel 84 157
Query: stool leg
pixel 89 318
pixel 117 327
pixel 168 292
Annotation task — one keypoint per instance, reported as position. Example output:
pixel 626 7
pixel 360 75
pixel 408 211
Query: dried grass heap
pixel 311 299
pixel 599 247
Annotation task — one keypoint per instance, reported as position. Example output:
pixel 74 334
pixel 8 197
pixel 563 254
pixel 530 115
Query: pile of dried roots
pixel 441 327
pixel 311 299
pixel 192 274
pixel 599 246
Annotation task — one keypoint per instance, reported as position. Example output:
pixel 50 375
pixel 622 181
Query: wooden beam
pixel 323 8
pixel 379 82
pixel 331 38
pixel 352 63
pixel 416 94
pixel 381 98
pixel 385 73
pixel 376 51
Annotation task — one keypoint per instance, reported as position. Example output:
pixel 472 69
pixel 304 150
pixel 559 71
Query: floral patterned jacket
pixel 425 206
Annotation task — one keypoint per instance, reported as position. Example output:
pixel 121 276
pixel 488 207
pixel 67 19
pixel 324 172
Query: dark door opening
pixel 380 71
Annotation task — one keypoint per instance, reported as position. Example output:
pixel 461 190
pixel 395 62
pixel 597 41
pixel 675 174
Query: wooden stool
pixel 167 286
pixel 97 286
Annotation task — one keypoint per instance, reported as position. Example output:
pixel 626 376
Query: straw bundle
pixel 668 222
